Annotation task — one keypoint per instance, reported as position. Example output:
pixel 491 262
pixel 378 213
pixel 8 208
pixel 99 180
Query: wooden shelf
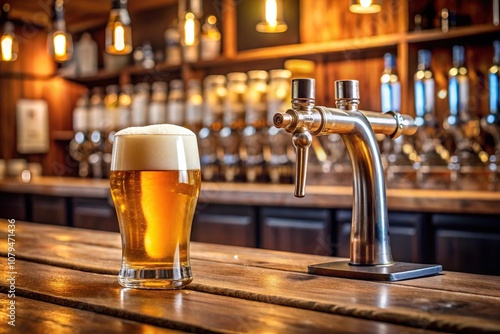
pixel 460 32
pixel 62 135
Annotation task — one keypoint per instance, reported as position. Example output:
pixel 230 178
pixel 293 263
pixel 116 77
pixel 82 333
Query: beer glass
pixel 155 182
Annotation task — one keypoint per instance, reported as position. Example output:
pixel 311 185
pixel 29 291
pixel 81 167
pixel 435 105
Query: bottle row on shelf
pixel 232 116
pixel 426 160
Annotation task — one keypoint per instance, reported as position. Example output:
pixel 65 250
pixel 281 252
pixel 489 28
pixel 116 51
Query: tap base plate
pixel 395 271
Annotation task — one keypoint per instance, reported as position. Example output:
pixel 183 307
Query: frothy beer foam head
pixel 155 147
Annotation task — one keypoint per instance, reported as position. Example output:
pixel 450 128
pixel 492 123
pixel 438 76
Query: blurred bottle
pixel 140 105
pixel 173 44
pixel 255 138
pixel 210 39
pixel 148 60
pixel 390 87
pixel 491 123
pixel 97 131
pixel 466 164
pixel 214 96
pixel 123 113
pixel 431 165
pixel 194 106
pixel 157 113
pixel 80 146
pixel 111 105
pixel 280 167
pixel 395 153
pixel 176 103
pixel 234 122
pixel 86 56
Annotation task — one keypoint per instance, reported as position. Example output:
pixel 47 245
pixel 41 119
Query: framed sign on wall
pixel 32 126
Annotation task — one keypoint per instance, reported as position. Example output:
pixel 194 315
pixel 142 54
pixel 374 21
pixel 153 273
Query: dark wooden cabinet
pixel 296 230
pixel 225 224
pixel 50 210
pixel 468 243
pixel 409 240
pixel 14 206
pixel 94 213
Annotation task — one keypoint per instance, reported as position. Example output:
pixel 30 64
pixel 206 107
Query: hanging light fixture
pixel 118 31
pixel 190 11
pixel 8 41
pixel 272 18
pixel 365 6
pixel 60 42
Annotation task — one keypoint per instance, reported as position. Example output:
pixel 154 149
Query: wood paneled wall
pixel 32 76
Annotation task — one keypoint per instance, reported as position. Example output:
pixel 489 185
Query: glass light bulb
pixel 271 12
pixel 365 3
pixel 119 37
pixel 7 43
pixel 60 45
pixel 189 33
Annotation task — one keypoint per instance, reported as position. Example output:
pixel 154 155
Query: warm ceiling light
pixel 272 19
pixel 365 6
pixel 118 31
pixel 60 42
pixel 8 41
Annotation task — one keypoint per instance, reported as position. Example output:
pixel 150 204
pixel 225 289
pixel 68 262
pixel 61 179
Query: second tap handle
pixel 301 140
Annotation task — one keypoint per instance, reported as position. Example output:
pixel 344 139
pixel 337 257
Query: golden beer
pixel 155 182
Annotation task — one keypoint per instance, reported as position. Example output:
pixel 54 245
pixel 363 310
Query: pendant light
pixel 365 6
pixel 272 18
pixel 8 41
pixel 118 31
pixel 190 12
pixel 60 42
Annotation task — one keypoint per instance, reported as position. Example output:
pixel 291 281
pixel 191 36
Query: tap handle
pixel 301 140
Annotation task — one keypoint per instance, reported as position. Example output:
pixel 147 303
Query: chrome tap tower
pixel 370 256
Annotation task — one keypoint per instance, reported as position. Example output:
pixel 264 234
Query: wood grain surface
pixel 449 302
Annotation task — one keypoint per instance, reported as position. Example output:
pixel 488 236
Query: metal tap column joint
pixel 399 124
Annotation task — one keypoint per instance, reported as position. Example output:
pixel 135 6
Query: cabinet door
pixel 407 233
pixel 468 243
pixel 224 224
pixel 49 210
pixel 13 206
pixel 94 213
pixel 297 230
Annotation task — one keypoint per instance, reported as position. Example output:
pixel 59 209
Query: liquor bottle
pixel 173 44
pixel 431 165
pixel 399 166
pixel 210 39
pixel 234 122
pixel 80 147
pixel 123 113
pixel 466 164
pixel 390 87
pixel 280 167
pixel 214 95
pixel 97 112
pixel 458 88
pixel 86 55
pixel 140 104
pixel 157 112
pixel 194 106
pixel 111 108
pixel 255 139
pixel 491 122
pixel 176 103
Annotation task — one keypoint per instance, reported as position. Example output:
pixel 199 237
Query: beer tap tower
pixel 370 256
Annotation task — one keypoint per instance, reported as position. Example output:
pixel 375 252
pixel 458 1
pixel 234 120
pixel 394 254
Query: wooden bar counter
pixel 66 282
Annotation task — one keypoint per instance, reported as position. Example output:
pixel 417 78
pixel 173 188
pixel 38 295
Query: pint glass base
pixel 157 278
